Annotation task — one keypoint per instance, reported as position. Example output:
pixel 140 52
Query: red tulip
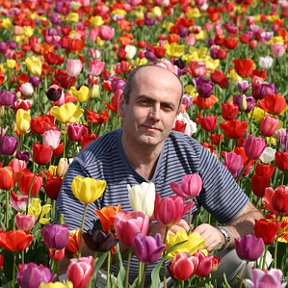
pixel 220 78
pixel 206 265
pixel 42 153
pixel 282 160
pixel 170 210
pixel 262 169
pixel 30 182
pixel 1 261
pixel 40 124
pixel 229 111
pixel 52 187
pixel 128 224
pixel 279 200
pixel 234 128
pixel 259 184
pixel 15 240
pixel 208 123
pixel 266 230
pixel 244 68
pixel 7 178
pixel 56 254
pixel 183 266
pixel 72 246
pixel 273 103
pixel 268 125
pixel 80 271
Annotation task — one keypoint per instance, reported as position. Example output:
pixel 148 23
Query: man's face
pixel 151 111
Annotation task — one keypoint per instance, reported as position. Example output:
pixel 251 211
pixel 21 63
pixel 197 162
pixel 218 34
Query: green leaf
pixel 98 264
pixel 155 275
pixel 122 272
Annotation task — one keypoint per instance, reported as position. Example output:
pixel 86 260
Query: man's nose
pixel 154 113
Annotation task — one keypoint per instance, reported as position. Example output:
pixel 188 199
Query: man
pixel 145 149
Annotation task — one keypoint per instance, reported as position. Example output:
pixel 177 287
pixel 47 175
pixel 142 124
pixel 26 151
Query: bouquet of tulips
pixel 62 71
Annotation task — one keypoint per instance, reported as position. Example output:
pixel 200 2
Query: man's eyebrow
pixel 149 99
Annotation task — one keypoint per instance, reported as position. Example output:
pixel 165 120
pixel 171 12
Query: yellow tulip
pixel 97 21
pixel 52 169
pixel 72 17
pixel 193 13
pixel 6 23
pixel 94 92
pixel 257 114
pixel 174 50
pixel 191 90
pixel 276 40
pixel 67 284
pixel 194 242
pixel 23 120
pixel 39 211
pixel 156 12
pixel 119 12
pixel 234 76
pixel 211 64
pixel 28 31
pixel 11 63
pixel 82 94
pixel 34 65
pixel 67 113
pixel 87 190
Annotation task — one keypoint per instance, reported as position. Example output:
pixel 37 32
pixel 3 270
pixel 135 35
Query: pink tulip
pixel 183 266
pixel 278 50
pixel 19 203
pixel 106 32
pixel 25 222
pixel 266 278
pixel 207 264
pixel 96 67
pixel 128 224
pixel 52 138
pixel 189 187
pixel 234 163
pixel 170 210
pixel 73 67
pixel 254 147
pixel 80 271
pixel 26 89
pixel 268 125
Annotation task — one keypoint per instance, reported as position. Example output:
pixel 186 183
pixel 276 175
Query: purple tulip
pixel 8 145
pixel 148 249
pixel 265 89
pixel 261 279
pixel 150 56
pixel 3 47
pixel 204 86
pixel 34 80
pixel 254 147
pixel 23 155
pixel 55 236
pixel 249 247
pixel 54 92
pixel 250 102
pixel 12 44
pixel 98 240
pixel 189 187
pixel 234 163
pixel 284 142
pixel 31 275
pixel 7 98
pixel 243 85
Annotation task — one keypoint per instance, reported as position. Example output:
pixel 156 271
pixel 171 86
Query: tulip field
pixel 63 68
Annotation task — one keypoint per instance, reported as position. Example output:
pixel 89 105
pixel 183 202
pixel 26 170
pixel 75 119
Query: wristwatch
pixel 227 236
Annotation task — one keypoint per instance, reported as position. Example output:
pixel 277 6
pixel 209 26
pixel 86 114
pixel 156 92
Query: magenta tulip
pixel 234 163
pixel 80 271
pixel 128 224
pixel 189 187
pixel 254 147
pixel 206 265
pixel 55 235
pixel 249 247
pixel 170 210
pixel 268 125
pixel 148 249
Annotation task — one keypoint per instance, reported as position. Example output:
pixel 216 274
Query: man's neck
pixel 142 158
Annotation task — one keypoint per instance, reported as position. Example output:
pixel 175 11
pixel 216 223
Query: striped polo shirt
pixel 105 159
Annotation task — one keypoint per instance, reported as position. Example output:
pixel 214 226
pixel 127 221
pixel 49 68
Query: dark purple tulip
pixel 55 235
pixel 23 155
pixel 150 56
pixel 31 275
pixel 54 92
pixel 148 249
pixel 183 32
pixel 98 240
pixel 265 89
pixel 204 86
pixel 8 145
pixel 249 247
pixel 12 44
pixel 211 42
pixel 250 102
pixel 7 98
pixel 34 80
pixel 148 21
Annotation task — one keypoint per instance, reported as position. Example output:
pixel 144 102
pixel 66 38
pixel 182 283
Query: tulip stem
pixel 244 273
pixel 141 275
pixel 14 269
pixel 108 270
pixel 128 268
pixel 81 231
pixel 263 260
pixel 7 210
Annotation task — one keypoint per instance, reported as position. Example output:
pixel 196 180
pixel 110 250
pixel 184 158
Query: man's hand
pixel 214 239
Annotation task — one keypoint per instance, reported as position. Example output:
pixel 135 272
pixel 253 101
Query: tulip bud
pixel 62 167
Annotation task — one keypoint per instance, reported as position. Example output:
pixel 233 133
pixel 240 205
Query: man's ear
pixel 121 107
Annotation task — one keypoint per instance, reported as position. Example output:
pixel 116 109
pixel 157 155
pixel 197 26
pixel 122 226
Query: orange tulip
pixel 15 240
pixel 7 178
pixel 273 103
pixel 205 103
pixel 107 215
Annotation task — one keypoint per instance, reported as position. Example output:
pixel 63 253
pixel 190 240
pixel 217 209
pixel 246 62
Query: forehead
pixel 155 80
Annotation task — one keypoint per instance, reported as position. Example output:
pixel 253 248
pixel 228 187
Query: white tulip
pixel 265 62
pixel 268 155
pixel 130 51
pixel 142 197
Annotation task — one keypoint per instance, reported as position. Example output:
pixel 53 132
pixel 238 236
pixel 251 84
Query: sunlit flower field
pixel 63 68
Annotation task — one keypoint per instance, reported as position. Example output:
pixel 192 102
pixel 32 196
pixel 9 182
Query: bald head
pixel 144 72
